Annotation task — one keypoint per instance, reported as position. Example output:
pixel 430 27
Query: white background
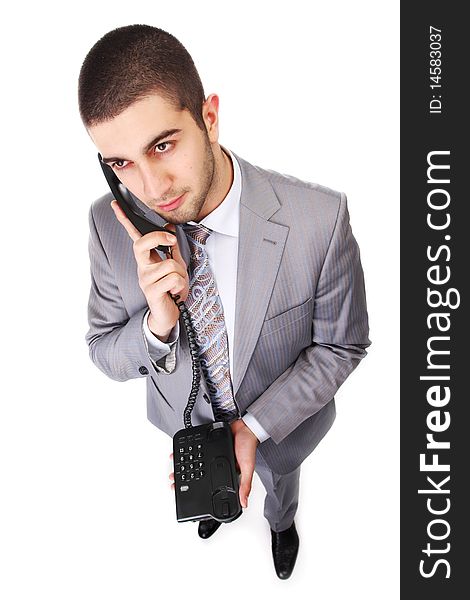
pixel 306 88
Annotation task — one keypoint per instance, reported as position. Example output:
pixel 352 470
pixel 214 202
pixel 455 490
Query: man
pixel 286 277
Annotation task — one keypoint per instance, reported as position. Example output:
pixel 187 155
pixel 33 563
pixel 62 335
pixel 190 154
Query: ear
pixel 210 114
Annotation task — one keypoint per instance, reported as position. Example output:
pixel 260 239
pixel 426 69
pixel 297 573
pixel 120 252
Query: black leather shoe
pixel 285 546
pixel 207 528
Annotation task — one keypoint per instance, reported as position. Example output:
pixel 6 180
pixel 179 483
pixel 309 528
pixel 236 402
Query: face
pixel 161 155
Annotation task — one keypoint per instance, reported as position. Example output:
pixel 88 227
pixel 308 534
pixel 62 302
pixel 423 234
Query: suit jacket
pixel 300 322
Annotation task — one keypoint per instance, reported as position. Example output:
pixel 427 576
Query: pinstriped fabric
pixel 207 316
pixel 324 325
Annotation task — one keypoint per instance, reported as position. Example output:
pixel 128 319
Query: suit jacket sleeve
pixel 340 336
pixel 116 341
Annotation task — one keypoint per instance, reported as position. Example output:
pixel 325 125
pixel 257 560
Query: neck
pixel 222 182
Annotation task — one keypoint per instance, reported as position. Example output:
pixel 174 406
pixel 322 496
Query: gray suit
pixel 300 323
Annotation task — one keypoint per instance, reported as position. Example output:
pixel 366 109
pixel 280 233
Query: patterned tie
pixel 207 317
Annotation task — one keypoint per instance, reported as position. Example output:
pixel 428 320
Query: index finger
pixel 133 232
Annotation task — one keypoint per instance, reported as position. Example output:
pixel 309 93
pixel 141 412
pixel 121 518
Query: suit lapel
pixel 260 249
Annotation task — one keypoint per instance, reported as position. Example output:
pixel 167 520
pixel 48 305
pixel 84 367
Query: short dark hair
pixel 132 62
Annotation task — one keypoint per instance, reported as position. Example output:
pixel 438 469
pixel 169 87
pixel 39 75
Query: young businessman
pixel 285 271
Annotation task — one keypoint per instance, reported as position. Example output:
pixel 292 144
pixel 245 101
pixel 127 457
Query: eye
pixel 120 164
pixel 163 147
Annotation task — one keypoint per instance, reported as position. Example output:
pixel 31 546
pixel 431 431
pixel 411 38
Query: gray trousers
pixel 282 495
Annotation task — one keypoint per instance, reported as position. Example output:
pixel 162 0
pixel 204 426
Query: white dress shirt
pixel 222 251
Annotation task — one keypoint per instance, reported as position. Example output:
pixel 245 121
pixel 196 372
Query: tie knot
pixel 197 233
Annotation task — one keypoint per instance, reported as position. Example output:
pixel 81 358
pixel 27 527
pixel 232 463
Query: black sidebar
pixel 435 330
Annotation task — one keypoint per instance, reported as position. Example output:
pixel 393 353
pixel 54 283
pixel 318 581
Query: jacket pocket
pixel 288 317
pixel 159 392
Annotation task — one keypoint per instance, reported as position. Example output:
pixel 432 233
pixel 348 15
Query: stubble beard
pixel 192 206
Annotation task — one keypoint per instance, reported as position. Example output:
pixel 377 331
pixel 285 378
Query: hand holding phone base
pixel 206 481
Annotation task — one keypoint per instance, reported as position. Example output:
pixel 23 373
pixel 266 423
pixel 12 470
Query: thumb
pixel 176 255
pixel 245 486
pixel 175 248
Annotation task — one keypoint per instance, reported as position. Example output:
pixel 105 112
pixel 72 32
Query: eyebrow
pixel 161 136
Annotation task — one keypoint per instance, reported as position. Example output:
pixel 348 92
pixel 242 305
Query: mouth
pixel 172 204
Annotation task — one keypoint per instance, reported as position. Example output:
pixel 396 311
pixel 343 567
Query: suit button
pixel 143 370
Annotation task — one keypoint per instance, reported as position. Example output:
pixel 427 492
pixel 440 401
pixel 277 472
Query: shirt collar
pixel 225 218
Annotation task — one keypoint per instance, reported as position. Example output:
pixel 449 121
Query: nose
pixel 155 181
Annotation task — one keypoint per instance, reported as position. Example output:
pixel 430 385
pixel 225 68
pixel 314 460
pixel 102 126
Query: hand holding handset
pixel 206 479
pixel 162 282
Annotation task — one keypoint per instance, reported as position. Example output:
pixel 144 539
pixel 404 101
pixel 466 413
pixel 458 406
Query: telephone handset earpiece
pixel 123 198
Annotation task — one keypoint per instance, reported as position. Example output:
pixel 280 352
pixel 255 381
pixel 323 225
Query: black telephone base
pixel 206 479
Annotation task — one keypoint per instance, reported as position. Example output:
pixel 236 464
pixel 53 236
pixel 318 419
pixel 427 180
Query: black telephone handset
pixel 123 198
pixel 206 479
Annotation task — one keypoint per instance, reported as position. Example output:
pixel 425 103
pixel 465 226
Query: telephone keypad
pixel 190 466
